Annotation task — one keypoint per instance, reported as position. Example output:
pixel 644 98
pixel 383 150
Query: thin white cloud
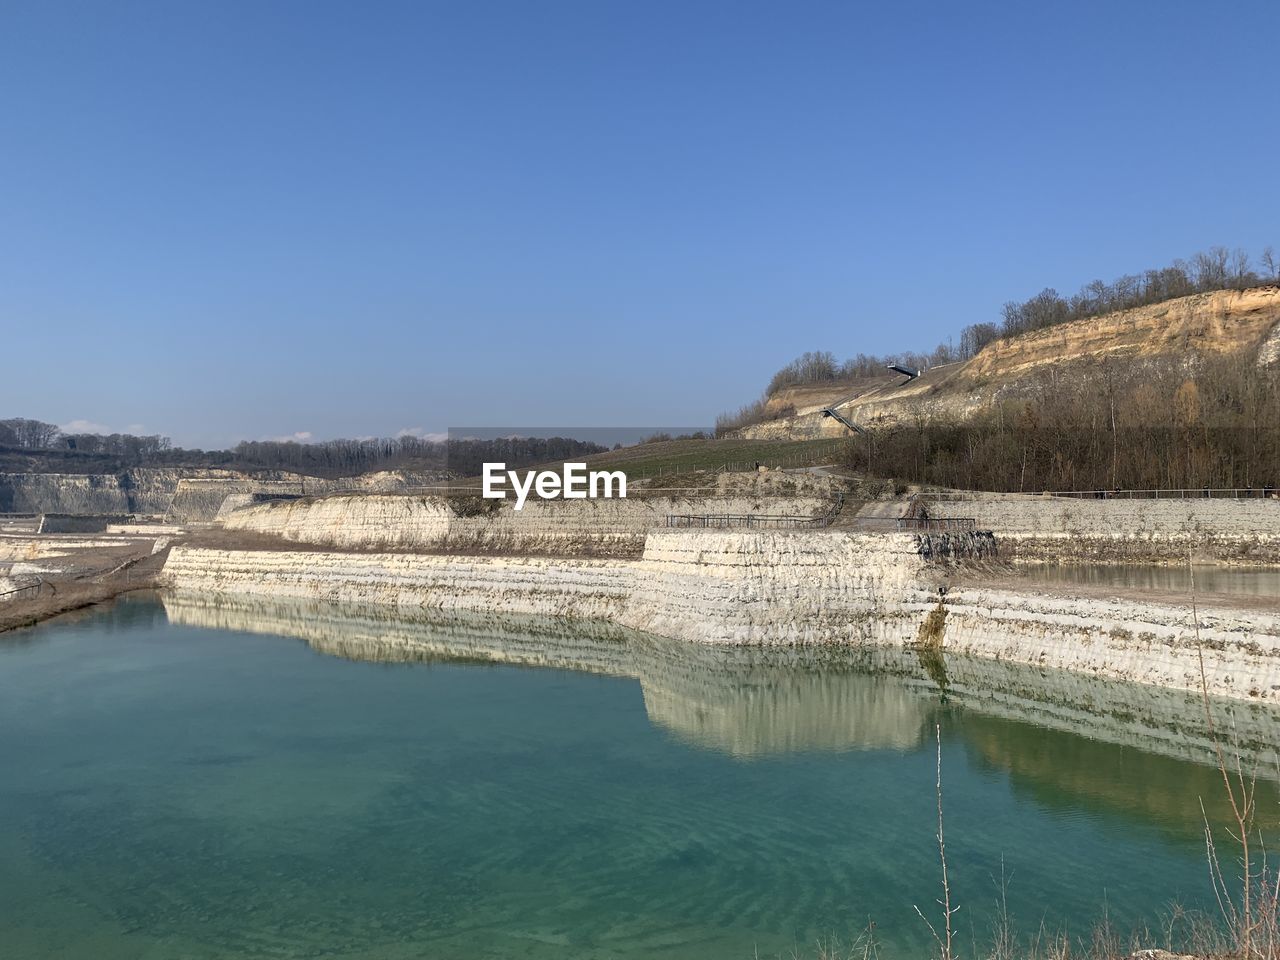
pixel 85 426
pixel 302 436
pixel 423 434
pixel 92 426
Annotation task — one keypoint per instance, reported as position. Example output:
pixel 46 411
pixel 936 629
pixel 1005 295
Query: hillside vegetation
pixel 817 379
pixel 1179 394
pixel 1102 424
pixel 689 455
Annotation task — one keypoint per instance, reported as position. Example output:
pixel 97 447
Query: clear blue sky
pixel 226 220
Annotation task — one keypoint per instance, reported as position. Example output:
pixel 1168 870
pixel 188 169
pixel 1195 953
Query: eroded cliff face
pixel 599 527
pixel 1244 323
pixel 200 499
pixel 745 587
pixel 180 494
pixel 1150 643
pixel 1226 321
pixel 580 588
pixel 141 491
pixel 62 493
pixel 709 586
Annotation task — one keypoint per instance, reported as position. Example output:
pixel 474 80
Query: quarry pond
pixel 189 776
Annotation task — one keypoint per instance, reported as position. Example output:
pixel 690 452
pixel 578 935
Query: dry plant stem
pixel 944 945
pixel 1004 945
pixel 1240 797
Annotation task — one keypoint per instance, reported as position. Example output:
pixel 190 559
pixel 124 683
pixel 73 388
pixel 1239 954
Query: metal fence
pixel 944 524
pixel 24 592
pixel 1201 493
pixel 744 520
pixel 756 519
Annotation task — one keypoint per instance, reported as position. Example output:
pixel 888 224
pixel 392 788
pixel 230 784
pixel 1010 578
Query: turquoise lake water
pixel 193 780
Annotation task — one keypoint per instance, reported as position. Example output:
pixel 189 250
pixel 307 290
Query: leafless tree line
pixel 821 366
pixel 1114 426
pixel 329 458
pixel 23 434
pixel 335 457
pixel 1215 269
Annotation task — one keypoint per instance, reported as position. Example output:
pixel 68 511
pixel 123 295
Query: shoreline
pixel 58 595
pixel 781 588
pixel 17 614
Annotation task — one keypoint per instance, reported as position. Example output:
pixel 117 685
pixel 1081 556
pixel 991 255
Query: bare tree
pixel 1271 264
pixel 976 336
pixel 31 434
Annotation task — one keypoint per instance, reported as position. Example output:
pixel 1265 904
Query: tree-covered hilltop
pixel 1215 269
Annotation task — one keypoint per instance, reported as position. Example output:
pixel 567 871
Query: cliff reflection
pixel 1071 773
pixel 747 702
pixel 1049 730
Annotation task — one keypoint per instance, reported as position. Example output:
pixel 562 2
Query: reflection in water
pixel 1235 581
pixel 1068 774
pixel 747 709
pixel 136 611
pixel 743 701
pixel 758 701
pixel 212 793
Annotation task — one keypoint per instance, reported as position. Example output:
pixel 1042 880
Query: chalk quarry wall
pixel 185 494
pixel 710 586
pixel 81 523
pixel 200 499
pixel 597 526
pixel 1065 529
pixel 779 588
pixel 142 491
pixel 63 493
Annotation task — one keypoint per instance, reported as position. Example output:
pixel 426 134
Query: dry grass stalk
pixel 1252 918
pixel 944 943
